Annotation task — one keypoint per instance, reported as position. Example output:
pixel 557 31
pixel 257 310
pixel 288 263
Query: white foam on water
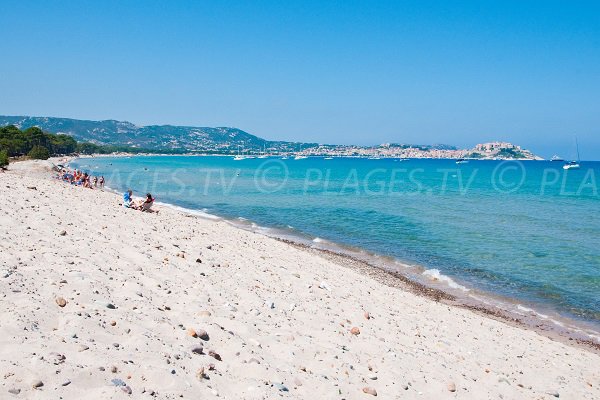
pixel 198 213
pixel 318 240
pixel 524 309
pixel 435 275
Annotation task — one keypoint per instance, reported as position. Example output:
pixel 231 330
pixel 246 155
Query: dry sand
pixel 280 322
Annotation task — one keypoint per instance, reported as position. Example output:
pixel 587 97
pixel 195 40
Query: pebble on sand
pixel 451 387
pixel 192 332
pixel 63 233
pixel 370 390
pixel 355 331
pixel 202 334
pixel 200 374
pixel 82 347
pixel 215 355
pixel 37 384
pixel 61 301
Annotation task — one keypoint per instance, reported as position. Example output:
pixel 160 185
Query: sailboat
pixel 300 156
pixel 573 164
pixel 239 157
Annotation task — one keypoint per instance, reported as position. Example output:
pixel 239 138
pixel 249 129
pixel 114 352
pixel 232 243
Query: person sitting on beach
pixel 95 181
pixel 128 199
pixel 102 181
pixel 146 205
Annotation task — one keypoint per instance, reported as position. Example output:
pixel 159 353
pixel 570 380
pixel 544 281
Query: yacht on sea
pixel 556 158
pixel 239 156
pixel 573 164
pixel 462 161
pixel 300 157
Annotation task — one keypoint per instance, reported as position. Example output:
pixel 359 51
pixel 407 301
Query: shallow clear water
pixel 526 230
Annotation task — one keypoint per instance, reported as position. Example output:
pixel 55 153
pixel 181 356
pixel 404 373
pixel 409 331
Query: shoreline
pixel 402 282
pixel 282 318
pixel 560 327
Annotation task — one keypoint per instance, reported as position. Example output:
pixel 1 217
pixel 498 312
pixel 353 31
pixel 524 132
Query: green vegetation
pixel 16 142
pixel 37 144
pixel 474 155
pixel 39 153
pixel 510 153
pixel 3 158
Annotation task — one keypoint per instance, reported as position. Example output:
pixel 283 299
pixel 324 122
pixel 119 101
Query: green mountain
pixel 155 137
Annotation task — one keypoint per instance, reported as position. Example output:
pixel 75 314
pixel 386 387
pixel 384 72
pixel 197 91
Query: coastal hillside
pixel 123 133
pixel 233 140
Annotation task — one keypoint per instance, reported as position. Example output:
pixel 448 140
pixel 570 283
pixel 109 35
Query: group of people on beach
pixel 83 179
pixel 141 204
pixel 80 178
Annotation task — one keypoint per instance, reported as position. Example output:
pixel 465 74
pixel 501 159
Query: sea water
pixel 525 230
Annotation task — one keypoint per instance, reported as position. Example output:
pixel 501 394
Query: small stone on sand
pixel 370 390
pixel 61 301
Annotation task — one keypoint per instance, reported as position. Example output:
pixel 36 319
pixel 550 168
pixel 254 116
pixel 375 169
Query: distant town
pixel 493 150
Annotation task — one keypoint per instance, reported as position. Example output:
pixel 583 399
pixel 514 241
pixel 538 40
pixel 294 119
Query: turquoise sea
pixel 528 232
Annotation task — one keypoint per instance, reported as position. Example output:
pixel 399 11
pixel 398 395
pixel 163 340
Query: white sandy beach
pixel 280 322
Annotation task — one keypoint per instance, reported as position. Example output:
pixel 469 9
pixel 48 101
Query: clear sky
pixel 332 72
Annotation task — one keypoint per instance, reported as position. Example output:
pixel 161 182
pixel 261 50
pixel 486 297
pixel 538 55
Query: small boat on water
pixel 462 161
pixel 299 157
pixel 375 158
pixel 328 158
pixel 573 164
pixel 239 155
pixel 556 158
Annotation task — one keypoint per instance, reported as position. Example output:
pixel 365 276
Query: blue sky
pixel 336 72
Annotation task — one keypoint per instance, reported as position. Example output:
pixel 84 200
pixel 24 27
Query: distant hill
pixel 231 140
pixel 113 132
